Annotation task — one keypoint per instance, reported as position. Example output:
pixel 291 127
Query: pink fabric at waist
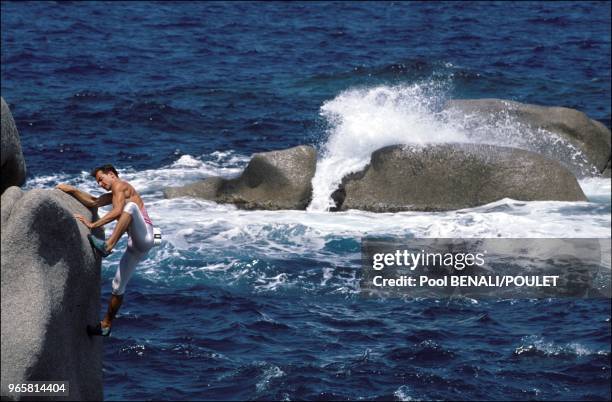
pixel 145 215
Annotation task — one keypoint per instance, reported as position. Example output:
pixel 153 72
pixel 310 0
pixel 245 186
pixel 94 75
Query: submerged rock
pixel 50 292
pixel 12 163
pixel 589 136
pixel 453 176
pixel 272 180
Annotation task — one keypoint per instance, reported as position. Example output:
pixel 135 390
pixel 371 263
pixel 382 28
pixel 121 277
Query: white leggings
pixel 140 241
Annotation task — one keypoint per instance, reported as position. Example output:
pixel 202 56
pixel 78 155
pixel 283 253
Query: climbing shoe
pixel 98 330
pixel 99 245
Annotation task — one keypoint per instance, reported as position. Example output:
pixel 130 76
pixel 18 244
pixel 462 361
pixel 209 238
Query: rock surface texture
pixel 12 162
pixel 453 176
pixel 50 292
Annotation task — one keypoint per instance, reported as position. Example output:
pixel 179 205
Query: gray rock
pixel 12 162
pixel 272 180
pixel 587 135
pixel 50 292
pixel 606 172
pixel 9 197
pixel 453 176
pixel 206 189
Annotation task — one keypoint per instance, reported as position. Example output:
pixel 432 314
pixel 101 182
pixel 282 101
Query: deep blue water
pixel 247 305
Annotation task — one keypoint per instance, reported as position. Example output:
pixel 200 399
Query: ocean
pixel 259 305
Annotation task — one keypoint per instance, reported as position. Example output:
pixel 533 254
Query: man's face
pixel 105 180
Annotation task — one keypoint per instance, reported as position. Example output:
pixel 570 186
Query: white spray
pixel 364 120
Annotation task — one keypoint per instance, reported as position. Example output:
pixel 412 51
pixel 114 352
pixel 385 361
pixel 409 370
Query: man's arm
pixel 118 200
pixel 104 199
pixel 85 198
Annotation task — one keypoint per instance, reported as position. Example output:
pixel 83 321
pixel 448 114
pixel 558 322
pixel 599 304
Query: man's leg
pixel 120 228
pixel 133 254
pixel 113 307
pixel 126 268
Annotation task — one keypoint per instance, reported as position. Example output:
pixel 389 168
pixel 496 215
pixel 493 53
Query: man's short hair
pixel 105 169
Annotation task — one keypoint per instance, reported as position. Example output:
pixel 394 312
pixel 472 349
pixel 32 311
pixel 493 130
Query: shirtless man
pixel 131 215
